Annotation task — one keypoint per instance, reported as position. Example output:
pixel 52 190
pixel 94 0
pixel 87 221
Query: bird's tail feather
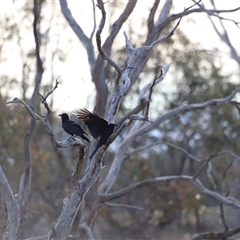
pixel 86 138
pixel 93 153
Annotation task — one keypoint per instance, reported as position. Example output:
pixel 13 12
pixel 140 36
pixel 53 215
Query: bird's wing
pixel 71 127
pixel 96 125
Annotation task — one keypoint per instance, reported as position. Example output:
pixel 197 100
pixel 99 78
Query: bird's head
pixel 64 116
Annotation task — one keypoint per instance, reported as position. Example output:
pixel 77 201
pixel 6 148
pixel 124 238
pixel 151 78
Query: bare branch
pixel 170 145
pixel 144 48
pixel 164 13
pixel 123 89
pixel 144 183
pixel 223 36
pixel 186 108
pixel 159 26
pixel 213 156
pixel 94 20
pixel 135 110
pixel 151 15
pixel 38 238
pixel 77 173
pixel 159 80
pixel 104 55
pixel 150 93
pixel 13 210
pixel 223 218
pixel 122 155
pixel 25 182
pixel 225 172
pixel 221 235
pixel 211 13
pixel 122 206
pixel 72 203
pixel 87 43
pixel 44 98
pixel 196 183
pixel 224 200
pixel 60 144
pixel 98 73
pixel 88 230
pixel 209 174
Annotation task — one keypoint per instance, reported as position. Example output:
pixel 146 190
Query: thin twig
pixel 170 145
pixel 170 33
pixel 150 93
pixel 94 20
pixel 225 172
pixel 88 230
pixel 123 206
pixel 44 98
pixel 209 174
pixel 222 215
pixel 195 181
pixel 209 12
pixel 104 55
pixel 217 235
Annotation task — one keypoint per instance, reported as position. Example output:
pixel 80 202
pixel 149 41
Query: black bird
pixel 98 127
pixel 72 128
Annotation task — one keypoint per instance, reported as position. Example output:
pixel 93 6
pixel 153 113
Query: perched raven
pixel 72 128
pixel 98 127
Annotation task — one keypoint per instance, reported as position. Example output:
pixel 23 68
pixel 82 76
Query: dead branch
pixel 210 13
pixel 133 54
pixel 223 36
pixel 87 43
pixel 46 124
pixel 88 231
pixel 122 206
pixel 25 182
pixel 72 203
pixel 206 161
pixel 196 183
pixel 158 80
pixel 94 20
pixel 121 154
pixel 13 210
pixel 144 183
pixel 150 93
pixel 104 55
pixel 223 218
pixel 164 21
pixel 168 144
pixel 38 238
pixel 150 21
pixel 186 108
pixel 98 73
pixel 78 170
pixel 44 100
pixel 225 172
pixel 216 235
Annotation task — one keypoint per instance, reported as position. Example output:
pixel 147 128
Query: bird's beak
pixel 60 115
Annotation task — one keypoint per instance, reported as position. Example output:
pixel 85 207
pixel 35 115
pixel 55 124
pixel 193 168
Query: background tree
pixel 176 153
